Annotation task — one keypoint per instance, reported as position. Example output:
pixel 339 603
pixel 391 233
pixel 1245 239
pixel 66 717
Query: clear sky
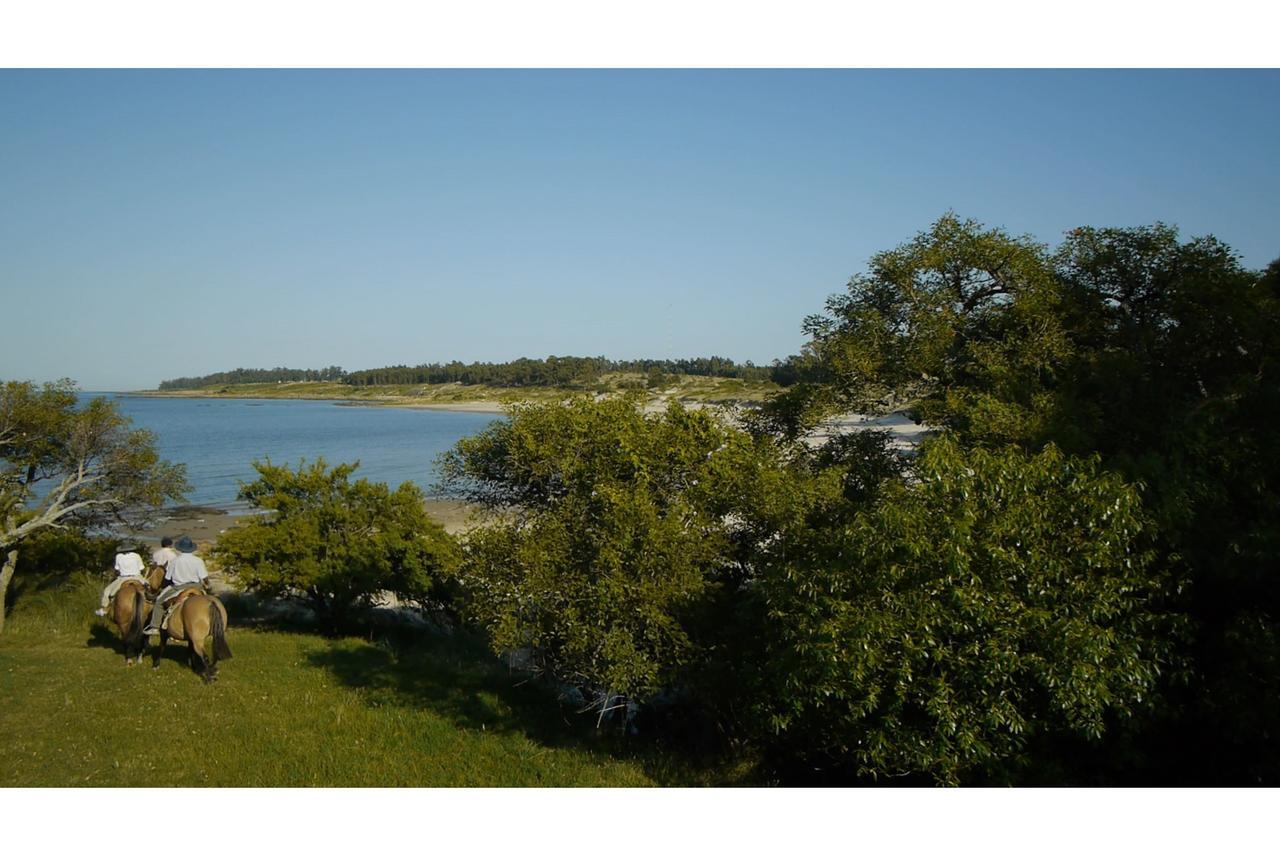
pixel 173 223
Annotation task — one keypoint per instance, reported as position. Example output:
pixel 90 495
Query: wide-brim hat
pixel 185 545
pixel 124 548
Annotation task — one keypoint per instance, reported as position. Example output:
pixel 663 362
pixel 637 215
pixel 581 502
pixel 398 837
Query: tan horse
pixel 129 611
pixel 131 614
pixel 196 617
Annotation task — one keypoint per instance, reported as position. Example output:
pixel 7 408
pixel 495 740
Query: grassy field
pixel 690 389
pixel 290 709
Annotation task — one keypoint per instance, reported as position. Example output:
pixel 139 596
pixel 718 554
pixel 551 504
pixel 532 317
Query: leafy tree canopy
pixel 992 597
pixel 962 321
pixel 66 464
pixel 1157 354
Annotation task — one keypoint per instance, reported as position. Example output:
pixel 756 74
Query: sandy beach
pixel 205 524
pixel 492 406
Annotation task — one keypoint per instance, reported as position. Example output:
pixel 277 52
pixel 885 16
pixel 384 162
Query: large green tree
pixel 336 544
pixel 67 465
pixel 609 537
pixel 1157 354
pixel 963 322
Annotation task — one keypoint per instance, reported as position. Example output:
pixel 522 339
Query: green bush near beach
pixel 336 544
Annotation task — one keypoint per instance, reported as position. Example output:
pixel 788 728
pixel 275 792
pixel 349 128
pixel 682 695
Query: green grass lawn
pixel 290 709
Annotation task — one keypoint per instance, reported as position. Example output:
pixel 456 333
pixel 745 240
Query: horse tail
pixel 219 632
pixel 133 636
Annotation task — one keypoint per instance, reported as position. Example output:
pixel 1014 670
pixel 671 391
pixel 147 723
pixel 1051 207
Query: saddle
pixel 132 582
pixel 172 605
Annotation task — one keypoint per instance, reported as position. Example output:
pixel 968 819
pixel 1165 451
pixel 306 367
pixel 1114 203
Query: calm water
pixel 218 440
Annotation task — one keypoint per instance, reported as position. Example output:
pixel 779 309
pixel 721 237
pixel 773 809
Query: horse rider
pixel 164 554
pixel 182 573
pixel 128 566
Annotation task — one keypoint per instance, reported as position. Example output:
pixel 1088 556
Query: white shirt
pixel 186 568
pixel 129 564
pixel 162 556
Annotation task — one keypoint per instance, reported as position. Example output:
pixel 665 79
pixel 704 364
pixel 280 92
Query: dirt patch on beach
pixel 201 524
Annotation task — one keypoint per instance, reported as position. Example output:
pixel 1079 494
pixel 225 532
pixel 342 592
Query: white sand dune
pixel 906 435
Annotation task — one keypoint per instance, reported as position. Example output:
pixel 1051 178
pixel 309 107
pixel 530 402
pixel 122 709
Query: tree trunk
pixel 6 574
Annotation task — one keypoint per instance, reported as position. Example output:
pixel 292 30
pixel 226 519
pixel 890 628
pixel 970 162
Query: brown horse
pixel 195 618
pixel 129 611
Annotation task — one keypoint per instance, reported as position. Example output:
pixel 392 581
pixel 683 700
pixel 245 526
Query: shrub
pixel 335 544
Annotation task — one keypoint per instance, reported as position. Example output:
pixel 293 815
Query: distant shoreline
pixel 395 401
pixel 479 398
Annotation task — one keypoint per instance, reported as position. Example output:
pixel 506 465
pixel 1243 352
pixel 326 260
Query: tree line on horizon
pixel 244 376
pixel 551 372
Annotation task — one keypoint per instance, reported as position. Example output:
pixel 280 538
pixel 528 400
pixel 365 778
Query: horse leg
pixel 217 637
pixel 155 662
pixel 142 637
pixel 195 656
pixel 208 669
pixel 211 665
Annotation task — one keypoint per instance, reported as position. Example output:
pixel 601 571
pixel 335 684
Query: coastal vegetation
pixel 243 376
pixel 607 539
pixel 561 372
pixel 927 628
pixel 1071 581
pixel 1157 357
pixel 334 544
pixel 658 388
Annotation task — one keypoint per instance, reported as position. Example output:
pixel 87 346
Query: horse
pixel 129 611
pixel 130 614
pixel 197 617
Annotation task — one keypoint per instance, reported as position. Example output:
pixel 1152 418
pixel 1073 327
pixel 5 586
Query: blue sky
pixel 167 223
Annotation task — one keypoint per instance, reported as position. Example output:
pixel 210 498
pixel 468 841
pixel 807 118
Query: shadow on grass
pixel 420 664
pixel 104 636
pixel 246 609
pixel 459 678
pixel 450 677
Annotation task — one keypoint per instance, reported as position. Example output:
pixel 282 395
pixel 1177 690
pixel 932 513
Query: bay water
pixel 218 440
